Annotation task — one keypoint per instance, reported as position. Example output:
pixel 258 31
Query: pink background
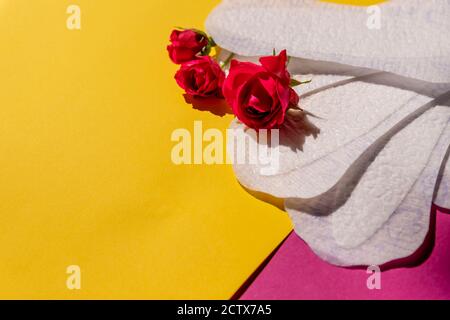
pixel 295 272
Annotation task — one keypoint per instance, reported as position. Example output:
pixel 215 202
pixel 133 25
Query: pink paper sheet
pixel 295 272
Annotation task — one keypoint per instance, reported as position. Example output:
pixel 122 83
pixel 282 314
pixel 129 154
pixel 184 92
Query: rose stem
pixel 228 60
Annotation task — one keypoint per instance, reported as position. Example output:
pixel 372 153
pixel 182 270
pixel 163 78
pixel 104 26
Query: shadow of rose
pixel 296 128
pixel 216 106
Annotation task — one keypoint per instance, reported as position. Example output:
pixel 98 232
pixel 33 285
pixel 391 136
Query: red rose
pixel 185 45
pixel 201 77
pixel 260 95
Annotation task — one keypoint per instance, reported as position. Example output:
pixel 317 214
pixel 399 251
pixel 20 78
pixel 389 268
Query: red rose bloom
pixel 201 77
pixel 185 45
pixel 260 95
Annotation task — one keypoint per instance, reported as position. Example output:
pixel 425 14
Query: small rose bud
pixel 185 45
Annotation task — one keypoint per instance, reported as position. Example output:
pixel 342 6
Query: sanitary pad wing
pixel 388 215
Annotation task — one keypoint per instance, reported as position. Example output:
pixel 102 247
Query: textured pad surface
pixel 346 119
pixel 442 196
pixel 385 219
pixel 329 32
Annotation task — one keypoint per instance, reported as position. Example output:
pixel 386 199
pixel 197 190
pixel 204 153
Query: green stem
pixel 227 61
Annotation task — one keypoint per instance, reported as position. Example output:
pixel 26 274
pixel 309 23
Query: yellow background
pixel 85 169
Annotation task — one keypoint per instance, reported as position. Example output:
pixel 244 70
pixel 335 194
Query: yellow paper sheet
pixel 85 161
pixel 86 174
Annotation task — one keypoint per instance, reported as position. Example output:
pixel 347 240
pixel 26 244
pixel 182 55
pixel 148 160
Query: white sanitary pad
pixel 359 169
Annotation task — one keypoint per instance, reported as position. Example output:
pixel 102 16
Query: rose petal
pixel 277 66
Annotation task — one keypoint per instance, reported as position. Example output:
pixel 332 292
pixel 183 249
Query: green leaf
pixel 206 50
pixel 295 83
pixel 203 33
